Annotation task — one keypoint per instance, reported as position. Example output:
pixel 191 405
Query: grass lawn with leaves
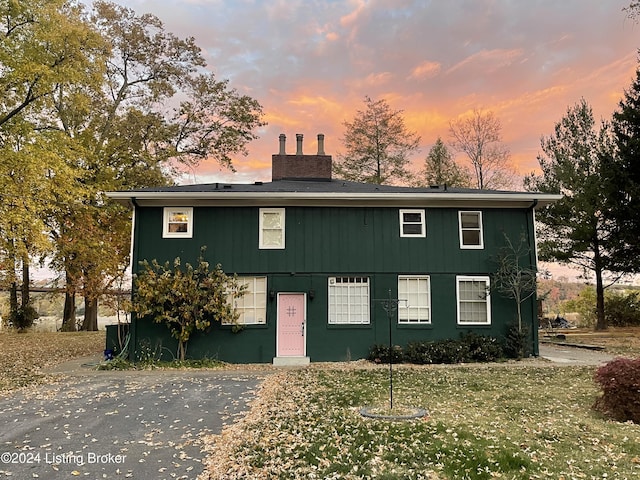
pixel 23 356
pixel 515 422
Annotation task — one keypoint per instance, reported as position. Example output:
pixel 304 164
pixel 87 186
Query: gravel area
pixel 567 355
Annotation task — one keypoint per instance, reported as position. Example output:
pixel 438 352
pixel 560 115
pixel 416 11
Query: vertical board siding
pixel 324 242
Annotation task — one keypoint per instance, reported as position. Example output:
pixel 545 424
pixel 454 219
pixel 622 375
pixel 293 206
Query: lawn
pixel 500 421
pixel 23 356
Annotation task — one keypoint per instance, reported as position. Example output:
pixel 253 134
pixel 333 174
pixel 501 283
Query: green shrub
pixel 619 381
pixel 482 349
pixel 419 353
pixel 382 354
pixel 516 344
pixel 450 351
pixel 622 310
pixel 471 348
pixel 23 318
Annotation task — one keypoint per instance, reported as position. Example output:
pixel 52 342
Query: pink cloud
pixel 425 70
pixel 488 60
pixel 310 64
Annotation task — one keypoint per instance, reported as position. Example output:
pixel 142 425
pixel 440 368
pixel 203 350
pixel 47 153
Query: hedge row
pixel 470 348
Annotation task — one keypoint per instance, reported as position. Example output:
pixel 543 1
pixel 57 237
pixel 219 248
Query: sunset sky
pixel 311 63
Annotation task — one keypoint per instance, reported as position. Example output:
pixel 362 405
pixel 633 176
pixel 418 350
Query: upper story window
pixel 177 222
pixel 470 229
pixel 271 228
pixel 412 223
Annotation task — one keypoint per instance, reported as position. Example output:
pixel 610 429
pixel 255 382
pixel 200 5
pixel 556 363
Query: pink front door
pixel 291 325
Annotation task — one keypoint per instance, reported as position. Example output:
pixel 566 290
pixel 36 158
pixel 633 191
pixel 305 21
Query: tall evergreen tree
pixel 574 230
pixel 378 145
pixel 440 168
pixel 623 178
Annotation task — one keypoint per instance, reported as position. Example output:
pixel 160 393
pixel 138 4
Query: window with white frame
pixel 252 306
pixel 348 300
pixel 271 228
pixel 412 223
pixel 470 229
pixel 414 293
pixel 474 301
pixel 177 222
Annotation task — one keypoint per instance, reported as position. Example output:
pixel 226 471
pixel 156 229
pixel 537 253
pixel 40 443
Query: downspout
pixel 533 259
pixel 133 326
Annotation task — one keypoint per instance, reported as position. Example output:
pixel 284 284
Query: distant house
pixel 318 253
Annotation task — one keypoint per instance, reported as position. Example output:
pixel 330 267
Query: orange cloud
pixel 490 59
pixel 425 70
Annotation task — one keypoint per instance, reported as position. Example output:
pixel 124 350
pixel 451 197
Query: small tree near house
pixel 515 278
pixel 185 298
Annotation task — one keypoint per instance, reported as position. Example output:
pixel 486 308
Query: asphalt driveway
pixel 142 425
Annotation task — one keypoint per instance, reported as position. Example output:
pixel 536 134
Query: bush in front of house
pixel 382 354
pixel 619 381
pixel 482 348
pixel 516 342
pixel 470 348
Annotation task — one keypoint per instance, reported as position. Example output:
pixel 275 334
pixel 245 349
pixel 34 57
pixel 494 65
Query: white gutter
pixel 229 198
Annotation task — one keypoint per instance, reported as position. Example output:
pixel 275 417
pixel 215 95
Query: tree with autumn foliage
pixel 44 44
pixel 185 298
pixel 127 135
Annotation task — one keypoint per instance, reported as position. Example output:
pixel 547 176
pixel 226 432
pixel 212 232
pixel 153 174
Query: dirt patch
pixel 624 341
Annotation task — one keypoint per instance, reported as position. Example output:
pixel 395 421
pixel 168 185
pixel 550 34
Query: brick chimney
pixel 300 166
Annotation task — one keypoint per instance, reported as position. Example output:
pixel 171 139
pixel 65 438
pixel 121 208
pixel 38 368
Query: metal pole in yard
pixel 390 305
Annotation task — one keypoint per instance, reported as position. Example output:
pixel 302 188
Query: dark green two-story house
pixel 319 254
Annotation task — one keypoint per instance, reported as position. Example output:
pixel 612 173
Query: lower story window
pixel 414 293
pixel 252 306
pixel 474 301
pixel 348 300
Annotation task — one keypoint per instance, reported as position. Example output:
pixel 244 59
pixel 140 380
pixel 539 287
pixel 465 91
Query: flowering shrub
pixel 620 384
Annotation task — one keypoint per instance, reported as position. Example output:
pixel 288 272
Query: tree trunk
pixel 26 299
pixel 69 314
pixel 13 301
pixel 601 321
pixel 90 322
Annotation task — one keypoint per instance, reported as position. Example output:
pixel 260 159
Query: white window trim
pixel 332 282
pixel 460 229
pixel 250 282
pixel 423 232
pixel 486 280
pixel 407 305
pixel 167 212
pixel 261 244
